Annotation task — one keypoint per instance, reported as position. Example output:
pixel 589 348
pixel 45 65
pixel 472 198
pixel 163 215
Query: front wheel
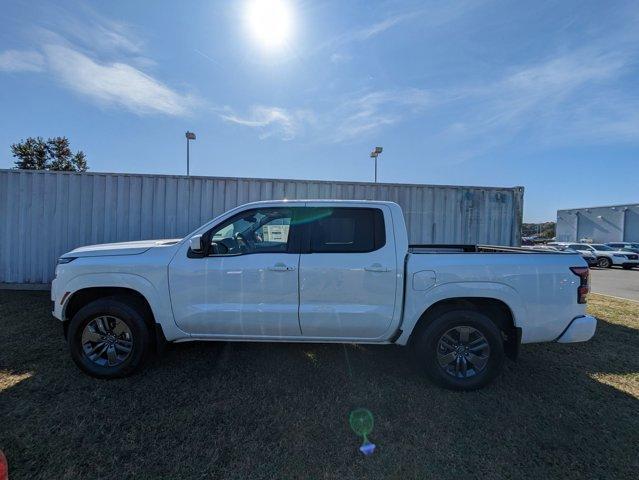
pixel 628 267
pixel 108 338
pixel 603 262
pixel 460 350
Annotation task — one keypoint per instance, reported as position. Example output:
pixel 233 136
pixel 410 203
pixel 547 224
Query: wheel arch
pixel 84 296
pixel 496 309
pixel 156 296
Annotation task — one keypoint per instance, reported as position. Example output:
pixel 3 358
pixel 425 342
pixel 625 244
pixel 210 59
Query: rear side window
pixel 346 230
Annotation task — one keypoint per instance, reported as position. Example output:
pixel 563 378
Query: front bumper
pixel 580 329
pixel 624 261
pixel 56 298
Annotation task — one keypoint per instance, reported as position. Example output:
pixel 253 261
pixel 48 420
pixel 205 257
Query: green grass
pixel 238 410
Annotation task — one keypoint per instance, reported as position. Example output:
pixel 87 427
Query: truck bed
pixel 462 248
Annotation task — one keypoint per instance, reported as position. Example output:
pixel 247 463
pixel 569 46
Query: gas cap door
pixel 424 279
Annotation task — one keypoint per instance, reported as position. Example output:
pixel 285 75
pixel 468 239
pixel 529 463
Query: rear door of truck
pixel 348 272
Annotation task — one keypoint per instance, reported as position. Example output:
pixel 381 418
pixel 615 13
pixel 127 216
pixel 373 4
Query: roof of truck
pixel 320 200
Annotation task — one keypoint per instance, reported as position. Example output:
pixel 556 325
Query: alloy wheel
pixel 603 263
pixel 107 341
pixel 463 352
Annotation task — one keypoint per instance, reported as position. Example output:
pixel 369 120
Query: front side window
pixel 253 231
pixel 602 248
pixel 346 230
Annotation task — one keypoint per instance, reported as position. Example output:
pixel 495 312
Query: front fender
pixel 417 302
pixel 159 302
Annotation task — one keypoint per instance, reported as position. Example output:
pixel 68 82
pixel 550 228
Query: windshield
pixel 603 248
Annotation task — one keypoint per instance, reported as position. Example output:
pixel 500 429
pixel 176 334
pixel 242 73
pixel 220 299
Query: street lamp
pixel 189 136
pixel 374 154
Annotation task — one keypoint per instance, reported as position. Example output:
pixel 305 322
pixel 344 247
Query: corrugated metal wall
pixel 614 223
pixel 44 214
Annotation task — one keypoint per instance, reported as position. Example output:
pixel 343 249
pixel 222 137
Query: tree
pixel 54 154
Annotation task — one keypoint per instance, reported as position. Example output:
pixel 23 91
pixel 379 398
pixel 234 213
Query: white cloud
pixel 555 87
pixel 270 121
pixel 114 83
pixel 86 27
pixel 371 111
pixel 431 17
pixel 355 116
pixel 340 58
pixel 69 48
pixel 373 30
pixel 21 61
pixel 565 99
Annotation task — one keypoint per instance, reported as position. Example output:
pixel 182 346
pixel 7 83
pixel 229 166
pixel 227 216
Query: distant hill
pixel 543 230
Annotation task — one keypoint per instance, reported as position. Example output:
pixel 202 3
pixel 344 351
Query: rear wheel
pixel 460 350
pixel 604 262
pixel 108 338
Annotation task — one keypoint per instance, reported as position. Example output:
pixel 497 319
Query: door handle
pixel 280 267
pixel 376 267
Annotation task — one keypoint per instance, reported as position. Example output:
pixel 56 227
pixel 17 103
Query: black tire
pixel 427 342
pixel 128 311
pixel 604 262
pixel 628 267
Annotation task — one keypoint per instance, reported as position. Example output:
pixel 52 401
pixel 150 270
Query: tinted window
pixel 254 231
pixel 602 248
pixel 578 247
pixel 353 230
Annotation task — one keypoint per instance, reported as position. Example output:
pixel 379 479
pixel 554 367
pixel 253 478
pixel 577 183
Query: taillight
pixel 4 467
pixel 584 287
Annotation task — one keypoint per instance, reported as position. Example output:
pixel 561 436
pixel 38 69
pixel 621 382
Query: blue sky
pixel 500 93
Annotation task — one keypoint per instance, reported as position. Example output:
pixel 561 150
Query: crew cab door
pixel 246 284
pixel 348 273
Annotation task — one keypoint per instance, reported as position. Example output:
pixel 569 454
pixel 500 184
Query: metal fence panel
pixel 45 214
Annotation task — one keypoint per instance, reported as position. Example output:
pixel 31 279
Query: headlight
pixel 63 260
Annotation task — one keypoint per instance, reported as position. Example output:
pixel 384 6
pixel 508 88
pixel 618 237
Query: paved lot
pixel 616 282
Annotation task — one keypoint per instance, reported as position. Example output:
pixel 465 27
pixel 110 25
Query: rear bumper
pixel 580 329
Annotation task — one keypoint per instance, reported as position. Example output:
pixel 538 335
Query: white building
pixel 615 223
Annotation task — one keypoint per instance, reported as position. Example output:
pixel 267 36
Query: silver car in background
pixel 588 256
pixel 630 246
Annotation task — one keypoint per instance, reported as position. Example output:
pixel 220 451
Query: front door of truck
pixel 246 284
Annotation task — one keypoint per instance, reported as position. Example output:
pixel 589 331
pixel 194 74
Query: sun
pixel 270 22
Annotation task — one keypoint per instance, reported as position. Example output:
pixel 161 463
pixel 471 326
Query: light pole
pixel 374 154
pixel 189 136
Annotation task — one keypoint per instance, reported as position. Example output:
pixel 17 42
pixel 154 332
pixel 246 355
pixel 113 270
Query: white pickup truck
pixel 319 271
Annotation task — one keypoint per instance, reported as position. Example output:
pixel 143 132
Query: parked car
pixel 630 246
pixel 606 256
pixel 319 271
pixel 588 256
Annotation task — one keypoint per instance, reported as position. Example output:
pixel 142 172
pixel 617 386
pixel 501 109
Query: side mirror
pixel 196 244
